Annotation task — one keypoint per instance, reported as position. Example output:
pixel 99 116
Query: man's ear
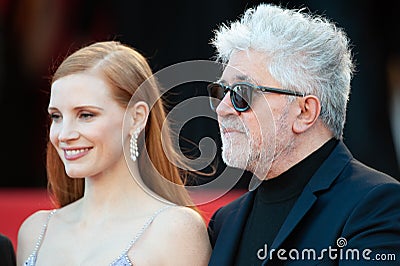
pixel 139 114
pixel 310 108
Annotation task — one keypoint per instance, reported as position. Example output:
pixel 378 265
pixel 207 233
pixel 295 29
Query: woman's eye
pixel 55 116
pixel 86 115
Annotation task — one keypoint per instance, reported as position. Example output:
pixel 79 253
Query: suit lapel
pixel 321 180
pixel 230 234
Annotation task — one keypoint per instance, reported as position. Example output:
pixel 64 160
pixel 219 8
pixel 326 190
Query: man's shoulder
pixel 227 213
pixel 4 240
pixel 358 172
pixel 358 182
pixel 234 205
pixel 348 170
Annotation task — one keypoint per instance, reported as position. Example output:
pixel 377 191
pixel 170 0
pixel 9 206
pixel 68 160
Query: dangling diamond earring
pixel 133 145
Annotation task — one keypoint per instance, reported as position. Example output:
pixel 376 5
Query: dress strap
pixel 32 258
pixel 144 227
pixel 44 229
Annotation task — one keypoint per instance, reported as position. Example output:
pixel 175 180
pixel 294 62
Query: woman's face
pixel 86 128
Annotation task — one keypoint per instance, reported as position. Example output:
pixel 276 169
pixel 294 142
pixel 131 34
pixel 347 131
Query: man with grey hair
pixel 281 106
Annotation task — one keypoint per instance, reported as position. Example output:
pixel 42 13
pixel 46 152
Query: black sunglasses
pixel 241 94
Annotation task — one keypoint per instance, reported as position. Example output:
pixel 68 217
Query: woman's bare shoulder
pixel 184 232
pixel 179 218
pixel 34 223
pixel 29 232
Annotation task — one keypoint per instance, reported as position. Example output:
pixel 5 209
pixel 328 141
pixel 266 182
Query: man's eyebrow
pixel 238 78
pixel 242 78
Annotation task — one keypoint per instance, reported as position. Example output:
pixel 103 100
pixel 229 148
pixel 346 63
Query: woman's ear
pixel 139 113
pixel 310 108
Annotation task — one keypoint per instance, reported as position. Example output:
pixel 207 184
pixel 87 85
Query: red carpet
pixel 17 204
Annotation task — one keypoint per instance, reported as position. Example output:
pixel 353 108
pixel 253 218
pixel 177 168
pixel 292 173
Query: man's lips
pixel 231 131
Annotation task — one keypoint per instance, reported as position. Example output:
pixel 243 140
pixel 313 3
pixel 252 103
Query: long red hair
pixel 125 70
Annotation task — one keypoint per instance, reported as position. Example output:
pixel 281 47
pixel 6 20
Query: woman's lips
pixel 75 153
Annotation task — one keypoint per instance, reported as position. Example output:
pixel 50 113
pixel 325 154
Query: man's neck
pixel 303 146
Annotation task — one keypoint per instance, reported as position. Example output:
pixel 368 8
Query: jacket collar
pixel 321 180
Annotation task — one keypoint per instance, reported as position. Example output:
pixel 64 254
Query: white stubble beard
pixel 235 150
pixel 257 153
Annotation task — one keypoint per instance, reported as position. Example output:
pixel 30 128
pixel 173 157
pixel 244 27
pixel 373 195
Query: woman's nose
pixel 67 132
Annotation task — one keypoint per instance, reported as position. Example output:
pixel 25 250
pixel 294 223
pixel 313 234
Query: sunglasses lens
pixel 241 96
pixel 216 93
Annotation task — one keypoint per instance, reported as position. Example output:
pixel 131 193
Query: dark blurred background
pixel 35 35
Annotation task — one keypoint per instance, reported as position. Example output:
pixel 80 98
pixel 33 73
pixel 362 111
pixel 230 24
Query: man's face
pixel 254 139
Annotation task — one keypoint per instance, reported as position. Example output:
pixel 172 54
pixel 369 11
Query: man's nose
pixel 225 107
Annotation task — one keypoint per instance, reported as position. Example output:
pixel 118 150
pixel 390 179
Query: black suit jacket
pixel 7 253
pixel 345 206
